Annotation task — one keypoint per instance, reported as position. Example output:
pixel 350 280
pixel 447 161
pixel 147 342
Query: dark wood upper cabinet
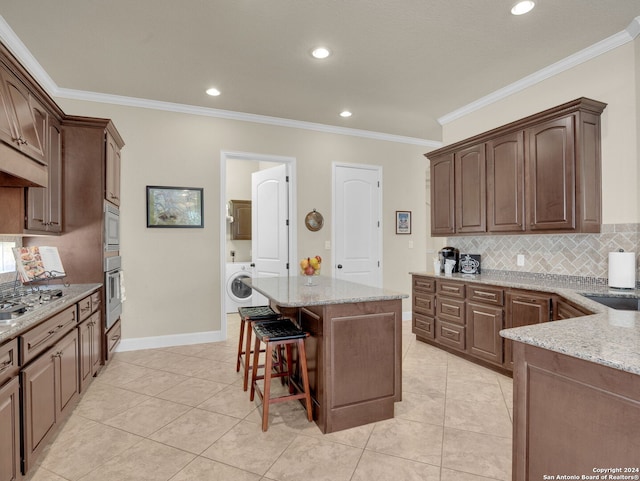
pixel 470 186
pixel 25 116
pixel 442 195
pixel 505 183
pixel 241 225
pixel 550 166
pixel 541 174
pixel 44 204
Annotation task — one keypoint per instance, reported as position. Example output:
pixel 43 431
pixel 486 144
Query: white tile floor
pixel 180 414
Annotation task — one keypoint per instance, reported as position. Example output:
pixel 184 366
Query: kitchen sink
pixel 619 303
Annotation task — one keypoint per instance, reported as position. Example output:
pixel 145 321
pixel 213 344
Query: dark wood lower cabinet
pixel 50 390
pixel 572 416
pixel 10 431
pixel 90 339
pixel 524 308
pixel 483 332
pixel 465 318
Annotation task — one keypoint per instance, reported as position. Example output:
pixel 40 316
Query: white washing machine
pixel 238 294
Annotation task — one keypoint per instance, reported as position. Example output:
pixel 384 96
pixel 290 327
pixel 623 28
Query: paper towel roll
pixel 622 270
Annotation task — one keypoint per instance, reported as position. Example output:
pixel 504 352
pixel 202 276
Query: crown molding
pixel 240 116
pixel 610 43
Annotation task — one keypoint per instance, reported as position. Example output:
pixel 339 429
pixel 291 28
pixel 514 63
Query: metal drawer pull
pixel 5 365
pixel 449 288
pixel 485 294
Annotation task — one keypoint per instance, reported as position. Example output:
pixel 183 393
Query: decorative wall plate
pixel 314 220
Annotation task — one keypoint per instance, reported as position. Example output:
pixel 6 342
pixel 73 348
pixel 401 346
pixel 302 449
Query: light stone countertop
pixel 70 295
pixel 609 337
pixel 293 291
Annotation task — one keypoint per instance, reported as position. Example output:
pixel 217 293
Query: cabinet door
pixel 96 342
pixel 38 405
pixel 470 189
pixel 67 377
pixel 505 183
pixel 523 309
pixel 241 226
pixel 10 431
pixel 90 342
pixel 550 165
pixel 483 327
pixel 113 160
pixel 442 196
pixel 84 341
pixel 44 205
pixel 28 130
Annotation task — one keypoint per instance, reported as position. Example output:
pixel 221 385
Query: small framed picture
pixel 174 206
pixel 403 222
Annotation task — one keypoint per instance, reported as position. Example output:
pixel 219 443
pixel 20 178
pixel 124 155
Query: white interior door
pixel 269 224
pixel 357 203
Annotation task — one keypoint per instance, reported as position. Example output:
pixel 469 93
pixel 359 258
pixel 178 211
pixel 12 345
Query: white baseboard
pixel 155 342
pixel 139 343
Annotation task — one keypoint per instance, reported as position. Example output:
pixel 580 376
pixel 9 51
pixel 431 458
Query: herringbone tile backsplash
pixel 562 254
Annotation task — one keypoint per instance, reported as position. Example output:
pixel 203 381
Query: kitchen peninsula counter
pixel 608 337
pixel 354 352
pixel 576 387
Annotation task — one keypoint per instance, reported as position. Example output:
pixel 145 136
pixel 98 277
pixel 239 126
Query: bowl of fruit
pixel 310 266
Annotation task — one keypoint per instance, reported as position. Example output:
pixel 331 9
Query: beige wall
pixel 172 276
pixel 609 78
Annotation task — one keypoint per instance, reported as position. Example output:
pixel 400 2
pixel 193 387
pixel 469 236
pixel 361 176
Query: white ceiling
pixel 398 65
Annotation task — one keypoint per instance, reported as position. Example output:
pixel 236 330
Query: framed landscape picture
pixel 174 206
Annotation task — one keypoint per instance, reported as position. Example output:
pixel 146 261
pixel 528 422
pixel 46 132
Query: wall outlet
pixel 410 244
pixel 520 260
pixel 327 245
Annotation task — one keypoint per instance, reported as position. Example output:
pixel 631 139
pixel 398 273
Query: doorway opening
pixel 241 246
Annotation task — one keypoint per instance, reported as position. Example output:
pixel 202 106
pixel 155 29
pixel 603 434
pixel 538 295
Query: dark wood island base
pixel 354 358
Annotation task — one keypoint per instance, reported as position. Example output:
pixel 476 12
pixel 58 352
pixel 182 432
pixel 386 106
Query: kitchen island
pixel 577 397
pixel 354 352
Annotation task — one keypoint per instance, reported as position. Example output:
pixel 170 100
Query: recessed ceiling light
pixel 320 52
pixel 214 92
pixel 523 7
pixel 345 114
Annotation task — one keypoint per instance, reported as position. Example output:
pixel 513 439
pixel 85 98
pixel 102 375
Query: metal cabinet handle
pixel 339 266
pixel 5 365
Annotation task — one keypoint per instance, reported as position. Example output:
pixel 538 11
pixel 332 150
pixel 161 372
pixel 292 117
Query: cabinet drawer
pixel 450 335
pixel 451 289
pixel 84 309
pixel 113 339
pixel 486 295
pixel 423 326
pixel 96 301
pixel 36 340
pixel 450 310
pixel 424 304
pixel 8 360
pixel 424 284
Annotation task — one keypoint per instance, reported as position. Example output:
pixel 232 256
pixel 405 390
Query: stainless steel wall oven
pixel 113 289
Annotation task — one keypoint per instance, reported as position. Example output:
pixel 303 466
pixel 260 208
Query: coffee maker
pixel 449 253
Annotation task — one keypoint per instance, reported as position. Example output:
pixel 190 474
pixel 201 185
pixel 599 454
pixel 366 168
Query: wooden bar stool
pixel 276 334
pixel 249 315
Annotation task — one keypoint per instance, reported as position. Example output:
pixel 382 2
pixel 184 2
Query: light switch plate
pixel 327 245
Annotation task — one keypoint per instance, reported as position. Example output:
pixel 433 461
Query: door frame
pixel 378 169
pixel 290 163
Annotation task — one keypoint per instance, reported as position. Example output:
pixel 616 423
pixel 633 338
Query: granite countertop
pixel 293 291
pixel 70 295
pixel 609 337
